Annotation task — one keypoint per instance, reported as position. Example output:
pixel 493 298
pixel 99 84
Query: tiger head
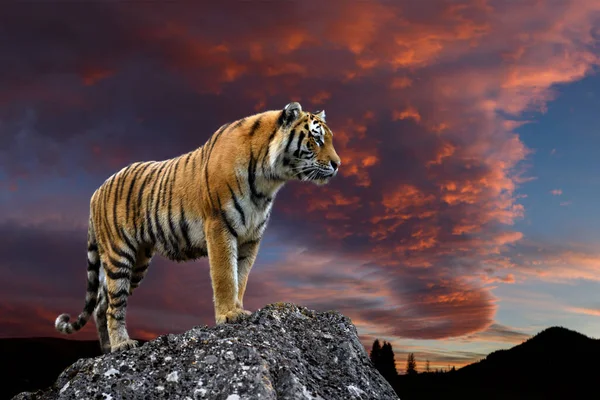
pixel 308 154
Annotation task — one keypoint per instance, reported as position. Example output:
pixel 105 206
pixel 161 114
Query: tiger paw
pixel 124 345
pixel 232 316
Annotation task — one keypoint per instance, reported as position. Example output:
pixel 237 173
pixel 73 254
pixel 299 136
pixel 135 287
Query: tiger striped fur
pixel 214 201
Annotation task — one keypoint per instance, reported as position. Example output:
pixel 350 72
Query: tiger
pixel 214 202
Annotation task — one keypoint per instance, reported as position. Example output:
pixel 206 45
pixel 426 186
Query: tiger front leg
pixel 222 257
pixel 247 253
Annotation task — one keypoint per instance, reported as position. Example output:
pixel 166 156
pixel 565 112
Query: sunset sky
pixel 464 218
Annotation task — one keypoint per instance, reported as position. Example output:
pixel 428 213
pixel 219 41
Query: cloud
pixel 409 112
pixel 396 303
pixel 556 262
pixel 556 192
pixel 500 333
pixel 420 225
pixel 585 311
pixel 508 278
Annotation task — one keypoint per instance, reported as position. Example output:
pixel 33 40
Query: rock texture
pixel 279 352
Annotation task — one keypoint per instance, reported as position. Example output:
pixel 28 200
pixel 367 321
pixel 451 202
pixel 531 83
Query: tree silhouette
pixel 411 365
pixel 375 353
pixel 427 366
pixel 388 364
pixel 382 358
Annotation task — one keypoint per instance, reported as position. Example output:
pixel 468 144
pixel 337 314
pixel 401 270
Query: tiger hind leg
pixel 142 262
pixel 118 273
pixel 100 317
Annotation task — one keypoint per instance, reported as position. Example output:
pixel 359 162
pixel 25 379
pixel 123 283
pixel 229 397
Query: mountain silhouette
pixel 556 350
pixel 557 363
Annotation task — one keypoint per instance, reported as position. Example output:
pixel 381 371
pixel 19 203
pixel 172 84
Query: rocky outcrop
pixel 282 351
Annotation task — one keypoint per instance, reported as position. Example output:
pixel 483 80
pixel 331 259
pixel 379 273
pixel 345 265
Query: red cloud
pixel 93 75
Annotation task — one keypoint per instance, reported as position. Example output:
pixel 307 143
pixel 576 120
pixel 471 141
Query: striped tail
pixel 62 323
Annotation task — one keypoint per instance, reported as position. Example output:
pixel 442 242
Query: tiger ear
pixel 291 112
pixel 321 115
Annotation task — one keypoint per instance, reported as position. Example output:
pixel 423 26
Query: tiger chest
pixel 249 218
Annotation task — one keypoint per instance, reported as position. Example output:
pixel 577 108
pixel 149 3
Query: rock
pixel 282 351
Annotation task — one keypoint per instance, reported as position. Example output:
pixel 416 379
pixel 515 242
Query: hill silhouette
pixel 28 364
pixel 557 363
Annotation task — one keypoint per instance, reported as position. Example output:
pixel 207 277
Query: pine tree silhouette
pixel 411 364
pixel 375 353
pixel 427 369
pixel 388 363
pixel 382 358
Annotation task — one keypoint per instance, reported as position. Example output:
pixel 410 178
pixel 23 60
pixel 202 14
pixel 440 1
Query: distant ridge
pixel 557 363
pixel 551 346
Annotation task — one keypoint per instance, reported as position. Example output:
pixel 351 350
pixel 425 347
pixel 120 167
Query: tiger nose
pixel 334 165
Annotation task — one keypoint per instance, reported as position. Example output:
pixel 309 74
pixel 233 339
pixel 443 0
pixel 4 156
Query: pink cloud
pixel 585 311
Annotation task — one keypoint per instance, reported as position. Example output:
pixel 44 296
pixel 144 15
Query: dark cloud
pixel 502 333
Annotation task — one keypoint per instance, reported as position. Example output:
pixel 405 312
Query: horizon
pixel 400 364
pixel 462 221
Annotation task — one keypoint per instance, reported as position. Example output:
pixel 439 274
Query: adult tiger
pixel 214 201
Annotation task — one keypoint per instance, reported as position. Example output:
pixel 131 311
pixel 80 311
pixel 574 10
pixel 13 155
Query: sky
pixel 463 219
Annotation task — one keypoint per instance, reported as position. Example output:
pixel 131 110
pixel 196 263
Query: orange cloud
pixel 409 112
pixel 320 97
pixel 508 278
pixel 91 76
pixel 401 82
pixel 445 151
pixel 357 26
pixel 293 40
pixel 508 237
pixel 404 197
pixel 289 68
pixel 333 200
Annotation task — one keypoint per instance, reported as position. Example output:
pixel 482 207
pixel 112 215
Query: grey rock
pixel 282 351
